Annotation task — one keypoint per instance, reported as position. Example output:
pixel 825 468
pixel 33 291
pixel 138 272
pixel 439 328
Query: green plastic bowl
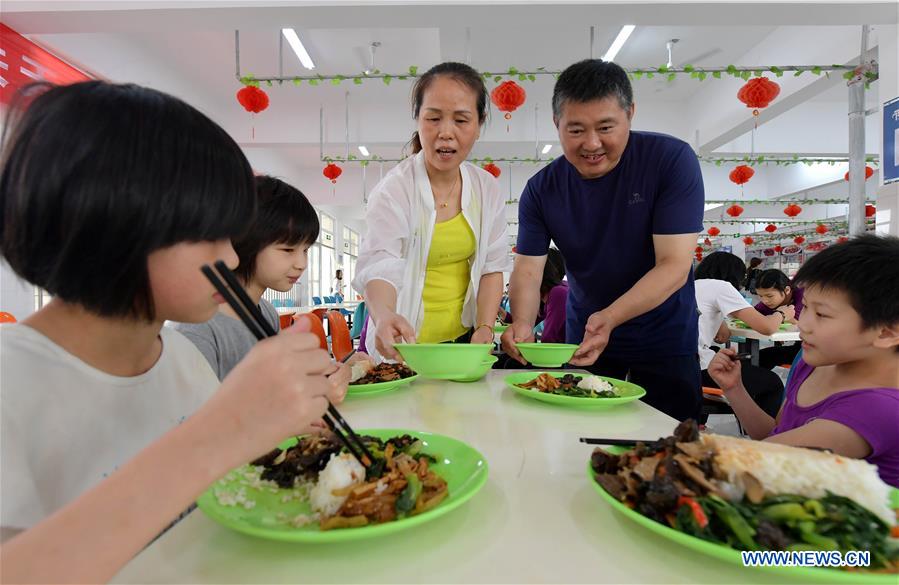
pixel 547 355
pixel 499 328
pixel 444 361
pixel 481 371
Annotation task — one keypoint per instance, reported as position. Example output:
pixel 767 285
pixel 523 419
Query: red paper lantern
pixel 748 240
pixel 514 249
pixel 792 210
pixel 734 210
pixel 821 229
pixel 770 228
pixel 842 240
pixel 869 172
pixel 492 169
pixel 332 171
pixel 707 242
pixel 698 249
pixel 758 93
pixel 778 248
pixel 252 98
pixel 699 256
pixel 713 231
pixel 799 239
pixel 508 97
pixel 870 211
pixel 741 174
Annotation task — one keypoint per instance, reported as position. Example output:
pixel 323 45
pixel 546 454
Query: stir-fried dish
pixel 343 494
pixel 571 385
pixel 703 486
pixel 384 372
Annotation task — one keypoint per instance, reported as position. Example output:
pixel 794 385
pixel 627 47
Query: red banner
pixel 23 62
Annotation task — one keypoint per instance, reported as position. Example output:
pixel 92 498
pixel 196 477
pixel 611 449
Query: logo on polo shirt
pixel 635 198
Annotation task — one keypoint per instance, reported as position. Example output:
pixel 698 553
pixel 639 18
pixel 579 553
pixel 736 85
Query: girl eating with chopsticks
pixel 111 199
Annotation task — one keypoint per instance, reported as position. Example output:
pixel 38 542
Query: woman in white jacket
pixel 435 248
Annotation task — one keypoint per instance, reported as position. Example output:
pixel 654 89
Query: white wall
pixel 16 295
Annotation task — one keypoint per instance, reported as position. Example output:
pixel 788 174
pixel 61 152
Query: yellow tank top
pixel 446 280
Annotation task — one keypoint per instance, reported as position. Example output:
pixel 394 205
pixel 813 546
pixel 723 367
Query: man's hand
pixel 596 338
pixel 515 334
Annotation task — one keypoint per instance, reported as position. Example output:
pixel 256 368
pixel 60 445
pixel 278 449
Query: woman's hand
pixel 392 328
pixel 482 334
pixel 726 371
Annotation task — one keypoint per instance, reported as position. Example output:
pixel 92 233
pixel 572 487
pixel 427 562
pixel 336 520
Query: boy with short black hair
pixel 843 391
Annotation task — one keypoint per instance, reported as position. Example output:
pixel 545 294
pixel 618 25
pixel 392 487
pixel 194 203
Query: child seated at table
pixel 113 197
pixel 777 295
pixel 716 281
pixel 843 390
pixel 272 254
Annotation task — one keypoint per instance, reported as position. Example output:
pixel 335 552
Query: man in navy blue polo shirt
pixel 625 209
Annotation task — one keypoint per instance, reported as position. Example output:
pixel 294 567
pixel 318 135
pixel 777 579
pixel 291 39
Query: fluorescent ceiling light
pixel 619 41
pixel 547 148
pixel 298 48
pixel 363 150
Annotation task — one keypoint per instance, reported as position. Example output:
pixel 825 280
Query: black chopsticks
pixel 613 442
pixel 252 317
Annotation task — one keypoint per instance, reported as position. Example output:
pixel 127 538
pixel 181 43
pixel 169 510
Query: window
pixel 322 259
pixel 350 253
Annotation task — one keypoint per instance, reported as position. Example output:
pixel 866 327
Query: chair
pixel 341 342
pixel 315 326
pixel 330 300
pixel 359 317
pixel 7 317
pixel 714 402
pixel 316 300
pixel 286 320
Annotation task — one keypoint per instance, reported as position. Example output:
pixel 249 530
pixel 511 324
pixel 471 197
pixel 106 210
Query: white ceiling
pixel 187 48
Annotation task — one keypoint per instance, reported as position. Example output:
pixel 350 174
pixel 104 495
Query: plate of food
pixel 311 490
pixel 740 324
pixel 574 390
pixel 368 379
pixel 723 495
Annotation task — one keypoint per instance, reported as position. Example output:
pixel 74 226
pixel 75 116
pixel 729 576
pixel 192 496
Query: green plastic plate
pixel 379 387
pixel 461 465
pixel 730 555
pixel 629 391
pixel 743 325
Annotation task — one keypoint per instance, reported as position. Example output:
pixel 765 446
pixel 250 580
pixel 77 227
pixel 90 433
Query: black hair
pixel 773 278
pixel 553 271
pixel 753 263
pixel 97 176
pixel 721 266
pixel 866 268
pixel 592 79
pixel 462 73
pixel 284 216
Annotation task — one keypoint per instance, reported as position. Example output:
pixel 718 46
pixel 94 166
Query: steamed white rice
pixel 341 471
pixel 596 384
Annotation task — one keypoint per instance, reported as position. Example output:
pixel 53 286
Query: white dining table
pixel 537 519
pixel 754 338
